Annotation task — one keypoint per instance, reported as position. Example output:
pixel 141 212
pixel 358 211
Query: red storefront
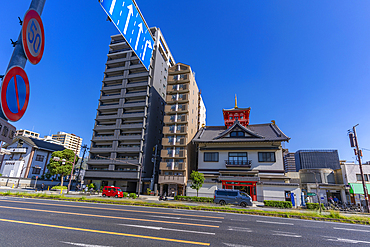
pixel 247 186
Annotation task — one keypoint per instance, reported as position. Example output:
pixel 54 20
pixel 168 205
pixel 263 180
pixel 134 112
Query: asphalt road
pixel 35 222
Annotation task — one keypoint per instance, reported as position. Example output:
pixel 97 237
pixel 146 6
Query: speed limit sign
pixel 33 37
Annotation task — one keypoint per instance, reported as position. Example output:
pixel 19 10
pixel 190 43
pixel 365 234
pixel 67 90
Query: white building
pixel 69 141
pixel 27 133
pixel 28 157
pixel 352 178
pixel 248 158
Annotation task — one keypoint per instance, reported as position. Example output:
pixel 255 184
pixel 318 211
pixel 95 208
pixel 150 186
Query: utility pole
pixel 354 143
pixel 154 160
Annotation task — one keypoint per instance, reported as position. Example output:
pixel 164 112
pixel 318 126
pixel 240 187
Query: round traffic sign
pixel 15 93
pixel 33 38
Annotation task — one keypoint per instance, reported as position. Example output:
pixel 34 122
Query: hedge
pixel 278 204
pixel 314 206
pixel 59 187
pixel 194 198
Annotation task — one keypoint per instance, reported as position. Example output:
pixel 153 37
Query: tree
pixel 61 167
pixel 197 180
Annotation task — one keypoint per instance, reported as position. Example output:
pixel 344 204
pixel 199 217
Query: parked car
pixel 235 197
pixel 112 191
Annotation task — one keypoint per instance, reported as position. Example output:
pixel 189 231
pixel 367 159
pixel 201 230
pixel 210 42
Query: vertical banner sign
pixel 127 19
pixel 33 38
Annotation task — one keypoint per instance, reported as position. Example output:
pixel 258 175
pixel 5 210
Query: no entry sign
pixel 15 93
pixel 33 38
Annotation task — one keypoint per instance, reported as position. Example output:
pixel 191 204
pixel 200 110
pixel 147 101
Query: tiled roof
pixel 255 133
pixel 38 144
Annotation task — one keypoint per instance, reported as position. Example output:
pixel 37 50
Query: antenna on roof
pixel 236 105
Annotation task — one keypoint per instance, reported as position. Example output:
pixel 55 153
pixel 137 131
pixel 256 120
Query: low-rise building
pixel 27 133
pixel 353 179
pixel 244 157
pixel 28 157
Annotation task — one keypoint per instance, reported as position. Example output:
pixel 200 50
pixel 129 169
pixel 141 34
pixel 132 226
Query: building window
pixel 238 159
pixel 266 157
pixel 359 178
pixel 39 157
pixel 211 157
pixel 36 170
pixel 237 134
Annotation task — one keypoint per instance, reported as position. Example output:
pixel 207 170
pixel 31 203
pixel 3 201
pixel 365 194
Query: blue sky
pixel 304 64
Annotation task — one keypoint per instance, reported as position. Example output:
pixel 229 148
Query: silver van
pixel 235 197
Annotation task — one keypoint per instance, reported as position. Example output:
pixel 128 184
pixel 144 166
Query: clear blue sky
pixel 304 64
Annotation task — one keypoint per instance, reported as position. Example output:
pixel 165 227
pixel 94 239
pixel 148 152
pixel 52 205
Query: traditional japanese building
pixel 244 157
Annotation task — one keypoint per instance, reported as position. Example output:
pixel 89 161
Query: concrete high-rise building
pixel 129 118
pixel 69 141
pixel 289 161
pixel 181 124
pixel 27 133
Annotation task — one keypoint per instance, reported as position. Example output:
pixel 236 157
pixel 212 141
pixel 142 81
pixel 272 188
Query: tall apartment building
pixel 129 117
pixel 69 141
pixel 27 133
pixel 289 161
pixel 181 123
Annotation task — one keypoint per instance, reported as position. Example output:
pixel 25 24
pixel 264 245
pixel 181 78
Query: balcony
pixel 176 69
pixel 131 126
pixel 175 119
pixel 128 149
pixel 104 138
pixel 108 174
pixel 180 166
pixel 18 150
pixel 101 149
pixel 176 108
pixel 177 98
pixel 174 130
pixel 134 105
pixel 115 69
pixel 164 179
pixel 105 117
pixel 113 78
pixel 238 163
pixel 99 161
pixel 111 87
pixel 180 154
pixel 136 94
pixel 119 60
pixel 130 137
pixel 178 88
pixel 105 127
pixel 110 96
pixel 138 74
pixel 137 84
pixel 108 106
pixel 133 115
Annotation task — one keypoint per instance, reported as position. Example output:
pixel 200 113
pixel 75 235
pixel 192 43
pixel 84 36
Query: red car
pixel 112 191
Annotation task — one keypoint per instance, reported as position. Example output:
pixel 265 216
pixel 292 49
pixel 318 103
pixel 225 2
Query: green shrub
pixel 193 198
pixel 133 195
pixel 125 194
pixel 59 187
pixel 1 174
pixel 278 204
pixel 314 206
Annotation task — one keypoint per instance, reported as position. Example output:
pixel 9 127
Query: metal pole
pixel 154 168
pixel 70 177
pixel 362 173
pixel 18 57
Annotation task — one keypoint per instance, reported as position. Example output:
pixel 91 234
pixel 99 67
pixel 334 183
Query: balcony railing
pixel 238 163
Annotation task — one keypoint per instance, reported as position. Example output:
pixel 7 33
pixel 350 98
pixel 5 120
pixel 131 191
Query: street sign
pixel 7 131
pixel 15 93
pixel 33 37
pixel 127 18
pixel 311 194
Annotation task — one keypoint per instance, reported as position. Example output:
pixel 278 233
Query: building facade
pixel 181 122
pixel 129 119
pixel 27 133
pixel 69 141
pixel 289 161
pixel 244 157
pixel 311 159
pixel 28 157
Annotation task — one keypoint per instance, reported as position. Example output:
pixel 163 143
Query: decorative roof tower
pixel 240 114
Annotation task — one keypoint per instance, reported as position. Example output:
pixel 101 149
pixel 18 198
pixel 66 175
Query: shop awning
pixel 357 188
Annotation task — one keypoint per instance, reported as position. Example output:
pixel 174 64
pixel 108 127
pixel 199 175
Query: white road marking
pixel 236 245
pixel 347 229
pixel 84 245
pixel 352 241
pixel 286 234
pixel 179 218
pixel 167 229
pixel 274 222
pixel 239 229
